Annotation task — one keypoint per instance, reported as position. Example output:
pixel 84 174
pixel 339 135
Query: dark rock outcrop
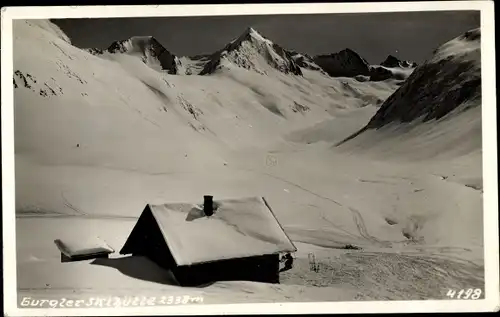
pixel 94 51
pixel 345 63
pixel 380 74
pixel 392 61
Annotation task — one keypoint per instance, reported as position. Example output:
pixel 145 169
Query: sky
pixel 406 35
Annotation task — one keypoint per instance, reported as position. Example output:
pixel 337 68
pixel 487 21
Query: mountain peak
pixel 352 54
pixel 148 49
pixel 253 51
pixel 392 61
pixel 347 51
pixel 255 34
pixel 345 63
pixel 136 44
pixel 250 34
pixel 250 30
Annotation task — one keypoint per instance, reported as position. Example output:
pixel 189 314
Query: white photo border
pixel 489 145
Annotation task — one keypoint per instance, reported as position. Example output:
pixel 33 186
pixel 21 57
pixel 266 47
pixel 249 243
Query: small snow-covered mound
pixel 253 52
pixel 147 48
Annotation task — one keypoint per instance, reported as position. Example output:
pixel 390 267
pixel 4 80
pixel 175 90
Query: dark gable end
pixel 146 239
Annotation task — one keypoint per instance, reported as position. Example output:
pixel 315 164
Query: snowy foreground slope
pixel 97 138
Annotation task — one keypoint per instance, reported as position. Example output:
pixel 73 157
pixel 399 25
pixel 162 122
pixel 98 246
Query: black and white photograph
pixel 173 158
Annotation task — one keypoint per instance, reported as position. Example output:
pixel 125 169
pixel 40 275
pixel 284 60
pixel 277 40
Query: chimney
pixel 208 205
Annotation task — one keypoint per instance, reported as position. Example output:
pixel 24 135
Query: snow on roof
pixel 238 228
pixel 91 246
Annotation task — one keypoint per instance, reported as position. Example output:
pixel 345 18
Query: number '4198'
pixel 464 294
